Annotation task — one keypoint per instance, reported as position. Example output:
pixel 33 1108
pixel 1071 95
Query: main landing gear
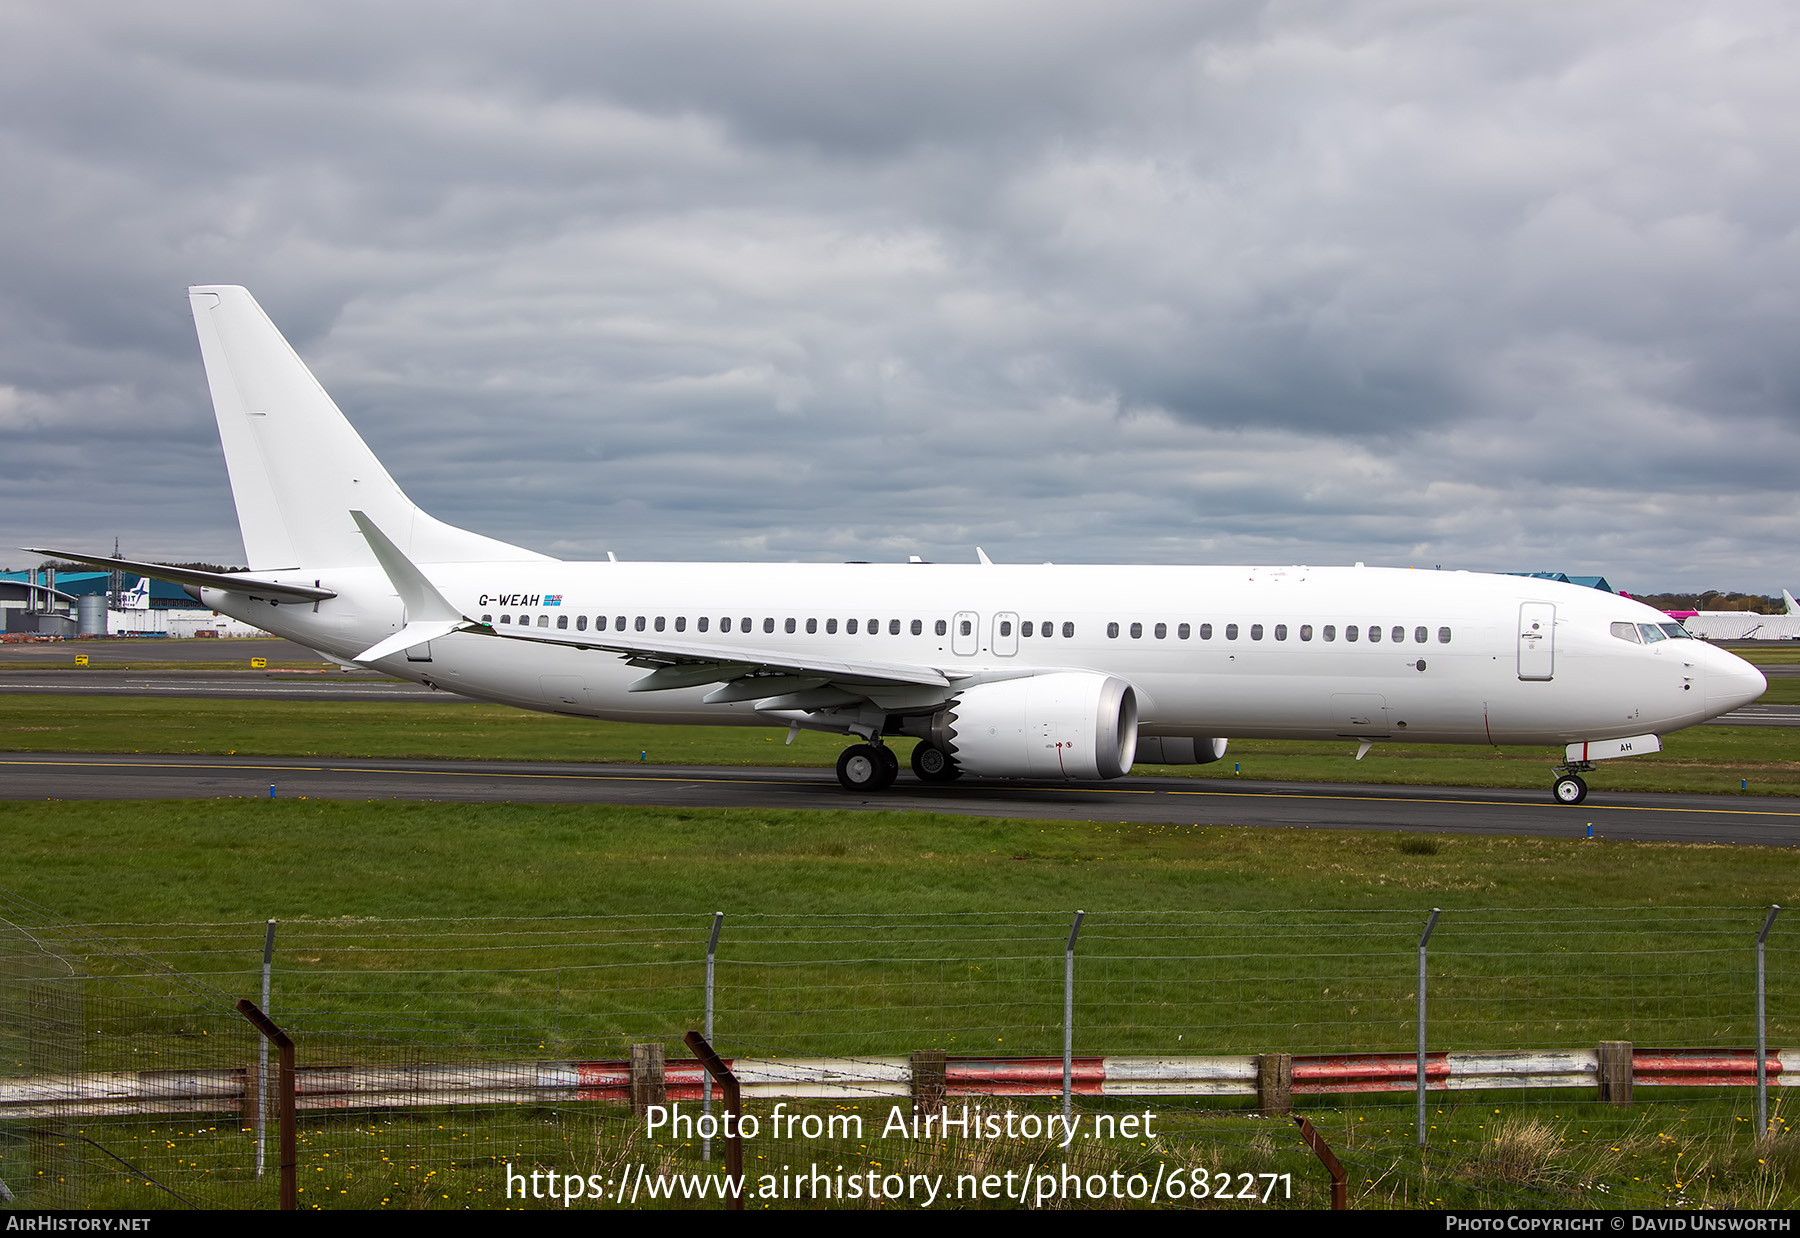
pixel 1570 788
pixel 868 767
pixel 873 766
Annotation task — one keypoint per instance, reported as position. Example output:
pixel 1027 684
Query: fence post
pixel 734 1134
pixel 1424 938
pixel 648 1078
pixel 1069 1015
pixel 1762 1028
pixel 712 950
pixel 262 1055
pixel 290 1186
pixel 1615 1071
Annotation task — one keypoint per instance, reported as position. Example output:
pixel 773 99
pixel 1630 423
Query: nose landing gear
pixel 1570 788
pixel 868 767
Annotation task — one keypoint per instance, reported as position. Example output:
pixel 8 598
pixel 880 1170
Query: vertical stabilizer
pixel 297 467
pixel 1793 607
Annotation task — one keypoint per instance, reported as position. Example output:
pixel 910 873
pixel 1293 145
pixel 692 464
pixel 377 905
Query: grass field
pixel 1297 940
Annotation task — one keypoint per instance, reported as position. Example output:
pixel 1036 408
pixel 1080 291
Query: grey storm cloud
pixel 1489 286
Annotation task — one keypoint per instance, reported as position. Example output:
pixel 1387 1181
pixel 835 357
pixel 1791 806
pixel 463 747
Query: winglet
pixel 982 555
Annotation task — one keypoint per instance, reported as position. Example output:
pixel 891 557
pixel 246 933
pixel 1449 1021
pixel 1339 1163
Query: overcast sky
pixel 1498 286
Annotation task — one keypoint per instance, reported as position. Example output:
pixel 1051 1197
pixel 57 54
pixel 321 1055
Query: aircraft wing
pixel 686 664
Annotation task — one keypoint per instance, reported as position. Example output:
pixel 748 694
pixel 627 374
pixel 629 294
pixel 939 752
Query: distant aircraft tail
pixel 297 467
pixel 1793 607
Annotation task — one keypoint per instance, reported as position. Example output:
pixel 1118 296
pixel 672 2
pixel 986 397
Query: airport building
pixel 45 602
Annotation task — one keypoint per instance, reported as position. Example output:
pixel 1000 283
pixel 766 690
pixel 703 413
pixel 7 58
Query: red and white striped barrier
pixel 391 1087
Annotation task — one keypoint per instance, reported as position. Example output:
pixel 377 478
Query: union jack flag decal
pixel 553 599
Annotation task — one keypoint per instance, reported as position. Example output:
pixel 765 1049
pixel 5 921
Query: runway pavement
pixel 1752 820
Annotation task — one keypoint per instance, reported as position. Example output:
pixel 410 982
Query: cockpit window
pixel 1675 631
pixel 1627 631
pixel 1652 633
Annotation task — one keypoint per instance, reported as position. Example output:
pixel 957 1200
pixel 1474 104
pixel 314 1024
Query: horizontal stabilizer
pixel 409 637
pixel 232 582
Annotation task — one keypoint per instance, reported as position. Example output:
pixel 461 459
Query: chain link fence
pixel 445 1061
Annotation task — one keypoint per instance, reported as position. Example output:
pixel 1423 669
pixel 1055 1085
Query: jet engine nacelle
pixel 1069 724
pixel 1179 750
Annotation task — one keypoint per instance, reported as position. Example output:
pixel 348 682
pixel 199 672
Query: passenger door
pixel 965 634
pixel 1537 640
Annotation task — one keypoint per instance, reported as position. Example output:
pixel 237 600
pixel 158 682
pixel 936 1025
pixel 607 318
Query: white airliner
pixel 1000 671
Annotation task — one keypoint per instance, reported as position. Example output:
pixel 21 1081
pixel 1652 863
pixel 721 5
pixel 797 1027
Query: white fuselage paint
pixel 1469 690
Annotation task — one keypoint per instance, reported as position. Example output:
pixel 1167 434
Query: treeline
pixel 1751 603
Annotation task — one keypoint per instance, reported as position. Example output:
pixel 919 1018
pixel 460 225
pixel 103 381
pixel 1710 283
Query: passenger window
pixel 659 623
pixel 1281 631
pixel 1374 632
pixel 812 625
pixel 1231 631
pixel 581 623
pixel 543 621
pixel 941 627
pixel 831 627
pixel 744 624
pixel 562 621
pixel 1112 631
pixel 702 622
pixel 489 618
pixel 850 627
pixel 893 627
pixel 1421 635
pixel 1256 631
pixel 967 628
pixel 638 623
pixel 768 625
pixel 505 618
pixel 1443 636
pixel 1349 631
pixel 874 627
pixel 681 623
pixel 1162 631
pixel 1206 631
pixel 1006 627
pixel 619 623
pixel 1068 631
pixel 1137 631
pixel 788 626
pixel 1306 631
pixel 1183 632
pixel 1330 632
pixel 1398 635
pixel 725 624
pixel 1025 628
pixel 918 627
pixel 1627 631
pixel 524 621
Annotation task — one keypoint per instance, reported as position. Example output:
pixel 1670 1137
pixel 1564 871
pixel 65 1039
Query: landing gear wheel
pixel 867 768
pixel 932 764
pixel 1570 789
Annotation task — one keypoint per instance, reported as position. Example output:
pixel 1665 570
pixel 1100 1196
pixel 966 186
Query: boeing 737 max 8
pixel 1000 671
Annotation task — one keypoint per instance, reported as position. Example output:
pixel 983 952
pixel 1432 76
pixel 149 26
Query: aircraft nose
pixel 1731 682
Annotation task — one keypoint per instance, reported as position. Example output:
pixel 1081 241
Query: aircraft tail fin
pixel 1793 607
pixel 298 468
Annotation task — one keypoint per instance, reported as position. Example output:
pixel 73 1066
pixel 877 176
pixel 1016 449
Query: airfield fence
pixel 435 1053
